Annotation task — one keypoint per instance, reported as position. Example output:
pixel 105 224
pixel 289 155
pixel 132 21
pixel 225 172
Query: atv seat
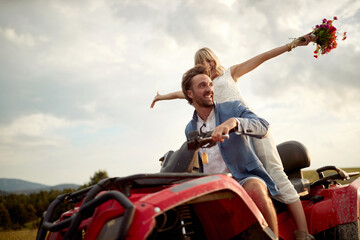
pixel 294 157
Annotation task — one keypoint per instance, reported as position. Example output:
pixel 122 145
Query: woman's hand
pixel 306 39
pixel 156 98
pixel 168 96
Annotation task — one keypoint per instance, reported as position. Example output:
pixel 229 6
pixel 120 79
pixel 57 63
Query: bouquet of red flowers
pixel 326 37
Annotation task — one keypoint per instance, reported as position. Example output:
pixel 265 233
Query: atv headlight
pixel 110 230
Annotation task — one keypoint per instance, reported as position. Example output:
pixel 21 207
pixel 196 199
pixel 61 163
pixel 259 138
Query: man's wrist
pixel 238 127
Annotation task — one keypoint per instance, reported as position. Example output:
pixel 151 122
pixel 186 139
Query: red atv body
pixel 179 204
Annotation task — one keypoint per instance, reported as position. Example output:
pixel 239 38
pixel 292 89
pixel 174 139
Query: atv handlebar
pixel 202 140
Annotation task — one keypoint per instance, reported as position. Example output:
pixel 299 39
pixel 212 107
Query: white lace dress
pixel 226 89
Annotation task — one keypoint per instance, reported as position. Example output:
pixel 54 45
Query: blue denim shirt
pixel 237 151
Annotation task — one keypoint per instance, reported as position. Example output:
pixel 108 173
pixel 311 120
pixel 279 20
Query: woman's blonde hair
pixel 206 54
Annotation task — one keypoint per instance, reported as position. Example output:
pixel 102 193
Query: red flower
pixel 326 37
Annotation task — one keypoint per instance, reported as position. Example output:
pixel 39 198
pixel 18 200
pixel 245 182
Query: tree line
pixel 16 210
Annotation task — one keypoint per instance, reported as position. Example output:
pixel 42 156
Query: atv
pixel 181 203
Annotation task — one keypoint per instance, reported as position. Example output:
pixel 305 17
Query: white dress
pixel 226 89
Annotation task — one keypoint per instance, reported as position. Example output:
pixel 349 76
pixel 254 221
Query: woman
pixel 226 89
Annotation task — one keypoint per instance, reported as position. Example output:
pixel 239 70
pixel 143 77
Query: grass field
pixel 18 235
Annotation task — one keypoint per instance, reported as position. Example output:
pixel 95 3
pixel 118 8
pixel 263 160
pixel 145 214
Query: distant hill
pixel 13 185
pixel 10 185
pixel 3 193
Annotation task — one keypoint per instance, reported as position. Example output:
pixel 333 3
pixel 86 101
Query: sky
pixel 77 79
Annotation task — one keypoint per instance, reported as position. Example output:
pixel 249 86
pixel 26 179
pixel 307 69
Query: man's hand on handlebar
pixel 223 129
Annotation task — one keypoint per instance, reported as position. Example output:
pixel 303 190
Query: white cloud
pixel 22 39
pixel 33 130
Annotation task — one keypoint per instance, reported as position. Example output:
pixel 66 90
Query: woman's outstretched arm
pixel 169 96
pixel 240 69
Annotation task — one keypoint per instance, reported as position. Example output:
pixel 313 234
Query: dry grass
pixel 18 235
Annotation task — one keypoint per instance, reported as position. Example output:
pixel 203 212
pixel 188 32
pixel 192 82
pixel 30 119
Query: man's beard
pixel 201 103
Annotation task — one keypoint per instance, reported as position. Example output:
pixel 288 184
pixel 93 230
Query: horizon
pixel 347 169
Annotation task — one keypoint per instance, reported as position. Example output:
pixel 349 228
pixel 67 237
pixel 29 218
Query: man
pixel 234 155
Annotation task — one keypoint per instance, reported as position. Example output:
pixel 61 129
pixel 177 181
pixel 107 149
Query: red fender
pixel 221 217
